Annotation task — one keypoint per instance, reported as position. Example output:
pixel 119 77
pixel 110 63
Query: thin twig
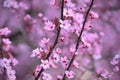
pixel 79 38
pixel 55 42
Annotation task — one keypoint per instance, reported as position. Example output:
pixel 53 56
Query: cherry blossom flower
pixel 45 64
pixel 6 41
pixel 37 52
pixel 59 77
pixel 56 58
pixel 4 31
pixel 11 3
pixel 75 64
pixel 69 74
pixel 49 25
pixel 114 62
pixel 11 74
pixel 64 61
pixel 5 62
pixel 58 50
pixel 68 12
pixel 46 76
pixel 65 24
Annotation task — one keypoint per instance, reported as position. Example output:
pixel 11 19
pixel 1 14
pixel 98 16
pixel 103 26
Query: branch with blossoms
pixel 79 38
pixel 7 60
pixel 74 24
pixel 55 42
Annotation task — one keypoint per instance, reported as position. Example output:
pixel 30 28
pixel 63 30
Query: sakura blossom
pixel 59 40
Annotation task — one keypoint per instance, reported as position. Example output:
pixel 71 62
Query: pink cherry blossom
pixel 49 25
pixel 75 64
pixel 65 24
pixel 114 62
pixel 69 74
pixel 37 52
pixel 64 61
pixel 58 50
pixel 11 3
pixel 59 77
pixel 46 76
pixel 45 64
pixel 6 41
pixel 56 57
pixel 4 31
pixel 68 12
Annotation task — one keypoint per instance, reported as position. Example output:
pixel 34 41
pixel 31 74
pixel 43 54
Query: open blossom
pixel 49 25
pixel 45 64
pixel 75 64
pixel 64 61
pixel 65 24
pixel 11 3
pixel 46 76
pixel 4 31
pixel 5 62
pixel 59 77
pixel 56 58
pixel 6 41
pixel 68 12
pixel 69 74
pixel 58 50
pixel 11 74
pixel 114 62
pixel 36 52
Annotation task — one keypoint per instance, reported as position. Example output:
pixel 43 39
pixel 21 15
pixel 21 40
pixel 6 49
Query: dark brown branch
pixel 79 38
pixel 55 42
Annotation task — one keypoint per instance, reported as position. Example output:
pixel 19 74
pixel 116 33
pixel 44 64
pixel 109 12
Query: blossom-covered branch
pixel 55 42
pixel 79 38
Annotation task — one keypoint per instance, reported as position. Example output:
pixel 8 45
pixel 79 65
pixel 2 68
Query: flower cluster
pixel 7 63
pixel 115 62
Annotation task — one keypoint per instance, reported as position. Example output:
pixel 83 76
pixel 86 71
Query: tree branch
pixel 55 42
pixel 79 38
